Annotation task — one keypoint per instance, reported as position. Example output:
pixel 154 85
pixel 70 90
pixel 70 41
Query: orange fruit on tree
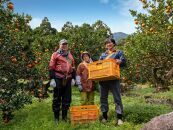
pixel 169 27
pixel 143 25
pixel 39 58
pixel 10 6
pixel 144 1
pixel 16 30
pixel 40 95
pixel 13 59
pixel 29 65
pixel 168 10
pixel 8 26
pixel 46 50
pixel 136 21
pixel 36 62
pixel 168 7
pixel 151 29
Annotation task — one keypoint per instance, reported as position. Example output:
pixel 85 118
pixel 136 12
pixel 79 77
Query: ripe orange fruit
pixel 144 1
pixel 136 21
pixel 40 95
pixel 36 62
pixel 8 26
pixel 169 27
pixel 10 6
pixel 29 65
pixel 39 58
pixel 168 10
pixel 46 50
pixel 151 29
pixel 16 30
pixel 13 59
pixel 143 25
pixel 168 7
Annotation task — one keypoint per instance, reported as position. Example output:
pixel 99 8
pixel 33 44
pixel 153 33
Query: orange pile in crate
pixel 104 70
pixel 83 114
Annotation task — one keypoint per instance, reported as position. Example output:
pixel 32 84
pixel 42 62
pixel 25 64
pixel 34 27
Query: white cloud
pixel 125 26
pixel 104 1
pixel 125 22
pixel 125 5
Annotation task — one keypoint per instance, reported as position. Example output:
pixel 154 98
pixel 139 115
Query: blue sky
pixel 114 13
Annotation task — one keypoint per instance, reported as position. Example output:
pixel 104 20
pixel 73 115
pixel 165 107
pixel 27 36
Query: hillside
pixel 119 35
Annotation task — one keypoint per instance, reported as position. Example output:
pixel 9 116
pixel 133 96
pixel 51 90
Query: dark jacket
pixel 115 55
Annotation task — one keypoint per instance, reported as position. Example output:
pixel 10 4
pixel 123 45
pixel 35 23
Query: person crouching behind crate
pixel 85 86
pixel 62 71
pixel 112 85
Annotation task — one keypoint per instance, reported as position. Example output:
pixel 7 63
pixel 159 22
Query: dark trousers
pixel 61 96
pixel 114 87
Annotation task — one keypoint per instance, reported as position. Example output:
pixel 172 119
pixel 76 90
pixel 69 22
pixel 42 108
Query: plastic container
pixel 83 114
pixel 104 70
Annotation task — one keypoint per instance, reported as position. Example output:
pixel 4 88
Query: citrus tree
pixel 16 60
pixel 86 38
pixel 150 49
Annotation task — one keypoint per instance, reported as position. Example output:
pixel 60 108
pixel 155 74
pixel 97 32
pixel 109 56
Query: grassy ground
pixel 39 116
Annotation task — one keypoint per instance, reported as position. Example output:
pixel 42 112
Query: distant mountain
pixel 119 35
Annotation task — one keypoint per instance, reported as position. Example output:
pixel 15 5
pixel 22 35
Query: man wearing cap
pixel 61 69
pixel 112 85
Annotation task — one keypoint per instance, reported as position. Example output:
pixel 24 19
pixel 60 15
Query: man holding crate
pixel 112 85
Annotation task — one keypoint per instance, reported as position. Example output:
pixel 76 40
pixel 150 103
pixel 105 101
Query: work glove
pixel 53 83
pixel 80 88
pixel 73 82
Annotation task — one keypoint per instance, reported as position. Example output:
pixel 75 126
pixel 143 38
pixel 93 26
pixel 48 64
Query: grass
pixel 39 116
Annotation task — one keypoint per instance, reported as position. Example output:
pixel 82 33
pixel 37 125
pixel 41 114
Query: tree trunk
pixel 160 82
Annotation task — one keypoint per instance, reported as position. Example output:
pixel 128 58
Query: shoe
pixel 103 120
pixel 120 122
pixel 56 118
pixel 104 117
pixel 56 122
pixel 64 115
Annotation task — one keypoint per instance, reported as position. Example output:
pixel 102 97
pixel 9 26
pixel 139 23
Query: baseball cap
pixel 63 41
